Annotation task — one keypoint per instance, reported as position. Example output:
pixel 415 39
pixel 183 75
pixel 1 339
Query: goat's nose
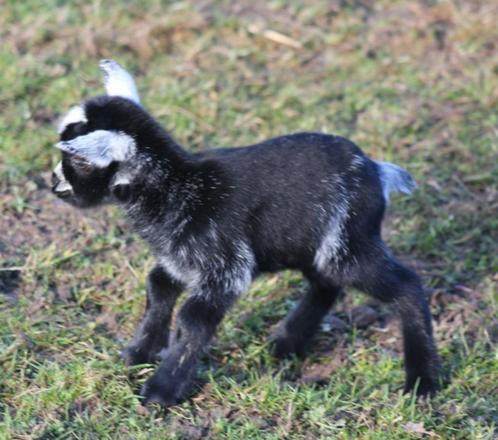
pixel 61 188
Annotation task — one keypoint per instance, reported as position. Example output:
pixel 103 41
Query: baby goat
pixel 214 220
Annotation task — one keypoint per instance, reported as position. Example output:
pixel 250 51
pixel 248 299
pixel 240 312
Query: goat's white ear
pixel 100 147
pixel 117 81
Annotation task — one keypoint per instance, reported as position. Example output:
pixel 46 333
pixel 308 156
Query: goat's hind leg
pixel 295 332
pixel 389 281
pixel 152 333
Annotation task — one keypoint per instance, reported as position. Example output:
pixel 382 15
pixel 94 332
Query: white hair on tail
pixel 101 147
pixel 117 81
pixel 394 179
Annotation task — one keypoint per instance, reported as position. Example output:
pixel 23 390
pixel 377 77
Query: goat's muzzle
pixel 60 186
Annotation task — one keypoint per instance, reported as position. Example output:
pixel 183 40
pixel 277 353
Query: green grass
pixel 414 82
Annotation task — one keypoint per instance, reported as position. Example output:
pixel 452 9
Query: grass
pixel 415 82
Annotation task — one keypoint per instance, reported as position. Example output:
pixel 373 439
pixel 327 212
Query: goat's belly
pixel 291 258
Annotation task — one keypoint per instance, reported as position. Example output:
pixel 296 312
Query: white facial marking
pixel 117 81
pixel 101 147
pixel 63 184
pixel 58 171
pixel 74 115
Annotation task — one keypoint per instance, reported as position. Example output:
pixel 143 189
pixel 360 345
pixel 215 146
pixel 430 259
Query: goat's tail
pixel 394 179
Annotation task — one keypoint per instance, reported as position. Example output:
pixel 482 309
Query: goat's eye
pixel 81 165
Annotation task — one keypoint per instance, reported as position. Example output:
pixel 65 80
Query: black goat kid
pixel 214 220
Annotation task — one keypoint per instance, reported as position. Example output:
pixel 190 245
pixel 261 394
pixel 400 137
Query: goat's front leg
pixel 196 324
pixel 153 332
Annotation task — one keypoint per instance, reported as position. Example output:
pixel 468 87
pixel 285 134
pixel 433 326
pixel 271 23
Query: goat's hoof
pixel 284 345
pixel 163 393
pixel 133 355
pixel 425 386
pixel 149 398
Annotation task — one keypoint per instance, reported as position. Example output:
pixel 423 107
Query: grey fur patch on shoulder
pixel 101 147
pixel 74 115
pixel 395 179
pixel 117 81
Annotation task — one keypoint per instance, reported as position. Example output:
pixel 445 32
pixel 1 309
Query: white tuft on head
pixel 394 179
pixel 74 115
pixel 117 81
pixel 101 147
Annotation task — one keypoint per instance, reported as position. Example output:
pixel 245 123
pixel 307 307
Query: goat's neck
pixel 168 191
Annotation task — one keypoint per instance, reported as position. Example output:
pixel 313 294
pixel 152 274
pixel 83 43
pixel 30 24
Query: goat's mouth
pixel 62 194
pixel 61 188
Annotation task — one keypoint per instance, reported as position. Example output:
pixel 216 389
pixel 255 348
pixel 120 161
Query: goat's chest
pixel 180 266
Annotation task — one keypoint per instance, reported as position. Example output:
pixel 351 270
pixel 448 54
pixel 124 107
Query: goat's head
pixel 97 138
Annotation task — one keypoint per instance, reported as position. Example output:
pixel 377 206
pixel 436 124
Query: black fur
pixel 214 220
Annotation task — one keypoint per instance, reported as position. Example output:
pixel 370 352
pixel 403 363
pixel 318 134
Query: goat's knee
pixel 196 323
